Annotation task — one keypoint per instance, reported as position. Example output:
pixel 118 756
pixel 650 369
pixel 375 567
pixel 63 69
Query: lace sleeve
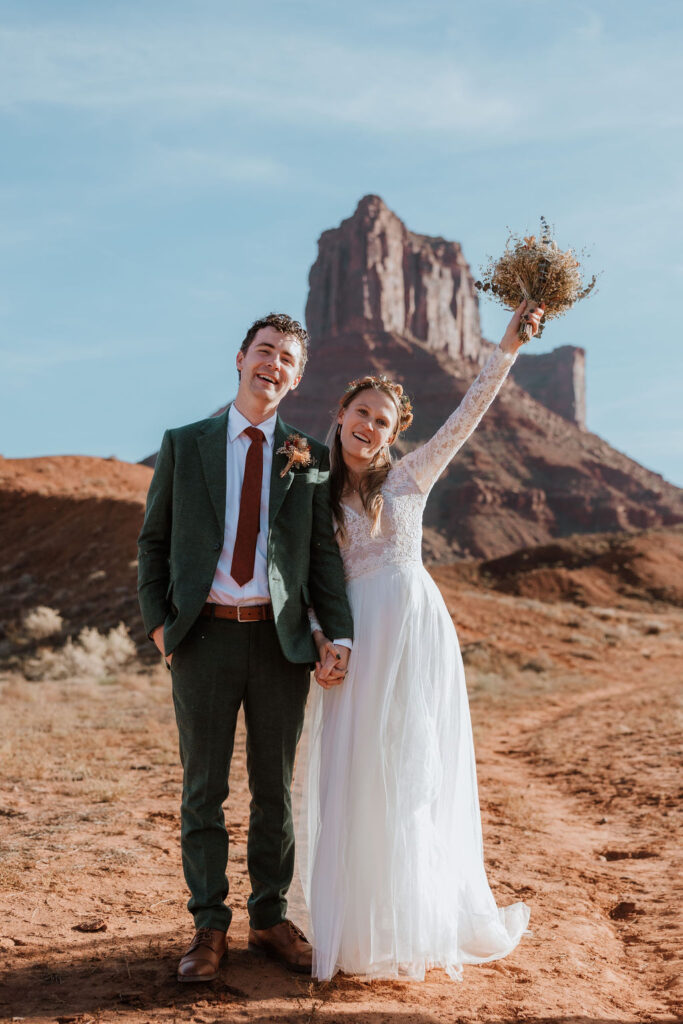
pixel 313 621
pixel 427 463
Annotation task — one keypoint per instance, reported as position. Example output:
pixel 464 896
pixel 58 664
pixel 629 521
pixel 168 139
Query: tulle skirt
pixel 389 843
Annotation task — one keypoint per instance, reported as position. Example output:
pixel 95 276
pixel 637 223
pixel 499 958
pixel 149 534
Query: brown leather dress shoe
pixel 285 943
pixel 201 961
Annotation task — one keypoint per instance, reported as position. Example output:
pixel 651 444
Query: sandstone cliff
pixel 557 379
pixel 386 300
pixel 373 274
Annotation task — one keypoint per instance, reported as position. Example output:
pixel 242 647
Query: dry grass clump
pixel 536 269
pixel 91 655
pixel 41 622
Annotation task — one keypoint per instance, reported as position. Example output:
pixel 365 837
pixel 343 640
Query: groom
pixel 237 542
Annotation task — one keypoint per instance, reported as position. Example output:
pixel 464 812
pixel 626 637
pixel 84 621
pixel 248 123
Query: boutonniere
pixel 298 452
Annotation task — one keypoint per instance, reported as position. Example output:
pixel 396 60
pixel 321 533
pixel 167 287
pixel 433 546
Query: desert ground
pixel 575 715
pixel 573 655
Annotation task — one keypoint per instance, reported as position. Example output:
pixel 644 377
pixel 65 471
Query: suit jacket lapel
pixel 278 485
pixel 212 449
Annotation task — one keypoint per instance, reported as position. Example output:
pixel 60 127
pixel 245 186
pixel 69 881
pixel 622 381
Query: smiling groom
pixel 237 542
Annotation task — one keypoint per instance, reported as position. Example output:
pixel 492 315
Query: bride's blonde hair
pixel 370 487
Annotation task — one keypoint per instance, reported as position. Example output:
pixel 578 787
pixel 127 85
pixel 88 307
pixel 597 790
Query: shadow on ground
pixel 139 976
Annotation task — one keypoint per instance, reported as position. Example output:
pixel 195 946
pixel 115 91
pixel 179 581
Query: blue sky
pixel 167 168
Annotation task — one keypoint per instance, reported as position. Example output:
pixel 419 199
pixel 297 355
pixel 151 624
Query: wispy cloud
pixel 591 28
pixel 187 164
pixel 292 77
pixel 662 394
pixel 572 81
pixel 30 360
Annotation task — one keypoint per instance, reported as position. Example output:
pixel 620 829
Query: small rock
pixel 603 821
pixel 93 924
pixel 539 664
pixel 623 911
pixel 10 812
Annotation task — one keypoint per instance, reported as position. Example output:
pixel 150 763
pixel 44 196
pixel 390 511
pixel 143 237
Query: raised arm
pixel 427 463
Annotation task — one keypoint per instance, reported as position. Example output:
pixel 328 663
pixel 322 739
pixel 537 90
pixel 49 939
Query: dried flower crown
pixel 382 383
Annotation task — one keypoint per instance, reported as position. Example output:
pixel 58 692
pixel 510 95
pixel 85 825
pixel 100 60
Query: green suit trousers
pixel 218 666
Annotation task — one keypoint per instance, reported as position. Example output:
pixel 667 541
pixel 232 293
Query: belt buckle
pixel 239 611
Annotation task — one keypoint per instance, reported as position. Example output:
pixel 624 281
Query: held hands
pixel 511 341
pixel 330 669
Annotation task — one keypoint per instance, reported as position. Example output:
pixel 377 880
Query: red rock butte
pixel 384 299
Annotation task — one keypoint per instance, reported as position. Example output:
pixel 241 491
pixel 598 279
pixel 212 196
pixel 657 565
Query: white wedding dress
pixel 389 843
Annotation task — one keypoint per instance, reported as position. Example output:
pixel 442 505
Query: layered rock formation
pixel 600 569
pixel 386 300
pixel 373 274
pixel 557 379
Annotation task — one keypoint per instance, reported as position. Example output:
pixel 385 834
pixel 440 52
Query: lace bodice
pixel 410 480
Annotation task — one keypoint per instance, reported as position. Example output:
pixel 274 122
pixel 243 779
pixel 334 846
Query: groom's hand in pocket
pixel 330 670
pixel 158 638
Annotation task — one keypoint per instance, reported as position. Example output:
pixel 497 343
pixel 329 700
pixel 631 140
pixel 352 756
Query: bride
pixel 389 834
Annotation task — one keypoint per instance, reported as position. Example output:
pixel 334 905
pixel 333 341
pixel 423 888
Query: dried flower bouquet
pixel 537 270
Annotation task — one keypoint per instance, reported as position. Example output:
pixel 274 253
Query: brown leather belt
pixel 239 612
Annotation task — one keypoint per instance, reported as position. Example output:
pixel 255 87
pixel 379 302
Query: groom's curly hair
pixel 285 325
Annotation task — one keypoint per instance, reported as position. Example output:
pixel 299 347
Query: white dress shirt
pixel 224 589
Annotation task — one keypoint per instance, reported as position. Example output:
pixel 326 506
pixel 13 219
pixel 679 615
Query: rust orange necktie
pixel 242 568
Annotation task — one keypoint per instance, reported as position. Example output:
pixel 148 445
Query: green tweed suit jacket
pixel 182 538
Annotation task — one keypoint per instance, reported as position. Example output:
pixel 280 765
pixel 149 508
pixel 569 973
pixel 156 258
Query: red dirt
pixel 574 711
pixel 68 528
pixel 575 742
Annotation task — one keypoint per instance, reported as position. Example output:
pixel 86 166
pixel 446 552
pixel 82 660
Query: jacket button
pixel 218 546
